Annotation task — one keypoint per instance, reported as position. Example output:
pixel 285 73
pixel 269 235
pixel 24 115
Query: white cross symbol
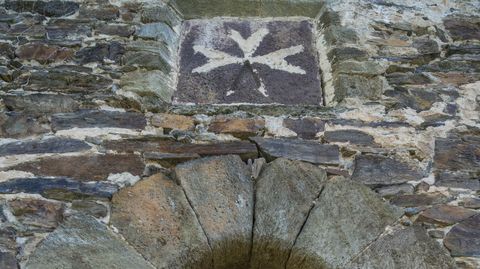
pixel 275 60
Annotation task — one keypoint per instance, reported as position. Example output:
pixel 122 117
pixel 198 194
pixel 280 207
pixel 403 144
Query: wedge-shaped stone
pixel 83 241
pixel 221 193
pixel 285 194
pixel 406 247
pixel 308 151
pixel 155 217
pixel 347 217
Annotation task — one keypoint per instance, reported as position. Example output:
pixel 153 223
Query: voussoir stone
pixel 50 145
pixel 464 238
pixel 285 193
pixel 221 193
pixel 377 170
pixel 85 168
pixel 154 216
pixel 99 119
pixel 308 151
pixel 405 247
pixel 346 218
pixel 83 241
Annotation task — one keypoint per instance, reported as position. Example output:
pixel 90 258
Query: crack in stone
pixel 303 225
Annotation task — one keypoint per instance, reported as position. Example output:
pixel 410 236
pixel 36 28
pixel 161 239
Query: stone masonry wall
pixel 88 127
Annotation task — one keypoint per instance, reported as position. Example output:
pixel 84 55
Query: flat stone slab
pixel 346 218
pixel 285 194
pixel 464 238
pixel 85 168
pixel 155 217
pixel 301 150
pixel 98 119
pixel 221 193
pixel 50 145
pixel 83 241
pixel 444 215
pixel 406 247
pixel 248 61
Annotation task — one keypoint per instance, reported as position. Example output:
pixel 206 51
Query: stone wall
pixel 86 116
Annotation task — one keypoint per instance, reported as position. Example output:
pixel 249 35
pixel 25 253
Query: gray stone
pixel 357 86
pixel 68 29
pixel 40 103
pixel 163 14
pixel 426 46
pixel 306 128
pixel 83 241
pixel 170 159
pixel 346 218
pixel 473 203
pixel 339 54
pixel 38 215
pixel 338 35
pixel 221 194
pixel 147 60
pixel 158 31
pixel 393 190
pixel 408 79
pixel 422 199
pixel 464 238
pixel 54 8
pixel 369 68
pixel 285 194
pixel 278 64
pixel 350 136
pixel 155 217
pixel 50 145
pixel 155 82
pixel 58 188
pixel 122 30
pixel 90 208
pixel 377 170
pixel 98 119
pixel 405 247
pixel 98 53
pixel 103 12
pixel 308 151
pixel 463 27
pixel 84 168
pixel 19 125
pixel 8 260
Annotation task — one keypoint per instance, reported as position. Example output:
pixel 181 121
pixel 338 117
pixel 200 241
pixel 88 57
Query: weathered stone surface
pixel 155 82
pixel 98 119
pixel 245 150
pixel 54 8
pixel 306 128
pixel 58 187
pixel 350 136
pixel 407 79
pixel 122 30
pixel 445 215
pixel 308 151
pixel 241 128
pixel 377 170
pixel 19 125
pixel 356 85
pixel 422 199
pixel 463 27
pixel 68 29
pixel 285 193
pixel 418 99
pixel 39 214
pixel 40 103
pixel 98 53
pixel 277 64
pixel 389 191
pixel 50 145
pixel 464 238
pixel 173 122
pixel 369 68
pixel 83 241
pixel 155 217
pixel 43 53
pixel 221 193
pixel 405 247
pixel 170 159
pixel 84 168
pixel 337 228
pixel 90 208
pixel 157 31
pixel 147 60
pixel 163 14
pixel 8 260
pixel 104 12
pixel 473 203
pixel 346 53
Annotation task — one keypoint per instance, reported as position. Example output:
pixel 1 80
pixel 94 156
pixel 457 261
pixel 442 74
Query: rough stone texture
pixel 339 227
pixel 445 215
pixel 464 238
pixel 43 53
pixel 285 193
pixel 40 214
pixel 308 151
pixel 221 194
pixel 19 125
pixel 241 128
pixel 54 8
pixel 40 103
pixel 84 168
pixel 90 208
pixel 99 119
pixel 50 145
pixel 306 128
pixel 376 170
pixel 421 199
pixel 257 64
pixel 405 247
pixel 82 240
pixel 473 203
pixel 58 188
pixel 352 136
pixel 170 159
pixel 156 219
pixel 173 122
